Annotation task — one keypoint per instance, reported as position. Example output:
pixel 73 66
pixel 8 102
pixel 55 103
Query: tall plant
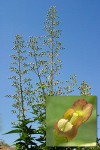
pixel 45 67
pixel 22 99
pixel 46 64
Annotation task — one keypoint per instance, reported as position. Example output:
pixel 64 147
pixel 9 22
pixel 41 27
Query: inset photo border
pixel 71 120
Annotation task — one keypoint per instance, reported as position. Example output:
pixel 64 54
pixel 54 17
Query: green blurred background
pixel 56 106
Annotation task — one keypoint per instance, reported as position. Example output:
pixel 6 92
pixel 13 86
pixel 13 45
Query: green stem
pixel 21 90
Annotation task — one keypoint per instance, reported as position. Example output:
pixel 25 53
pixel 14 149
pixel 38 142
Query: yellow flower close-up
pixel 73 118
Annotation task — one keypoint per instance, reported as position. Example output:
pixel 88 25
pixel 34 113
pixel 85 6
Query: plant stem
pixel 21 90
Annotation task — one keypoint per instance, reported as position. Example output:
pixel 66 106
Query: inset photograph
pixel 71 121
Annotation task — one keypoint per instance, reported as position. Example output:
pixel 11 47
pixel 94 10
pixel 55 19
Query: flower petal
pixel 68 114
pixel 79 104
pixel 78 122
pixel 87 111
pixel 71 133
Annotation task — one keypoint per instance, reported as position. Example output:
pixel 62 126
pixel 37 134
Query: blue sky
pixel 80 25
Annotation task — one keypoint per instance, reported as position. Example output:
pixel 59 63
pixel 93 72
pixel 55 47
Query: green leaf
pixel 14 131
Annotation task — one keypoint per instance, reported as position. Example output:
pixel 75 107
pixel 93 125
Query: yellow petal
pixel 68 114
